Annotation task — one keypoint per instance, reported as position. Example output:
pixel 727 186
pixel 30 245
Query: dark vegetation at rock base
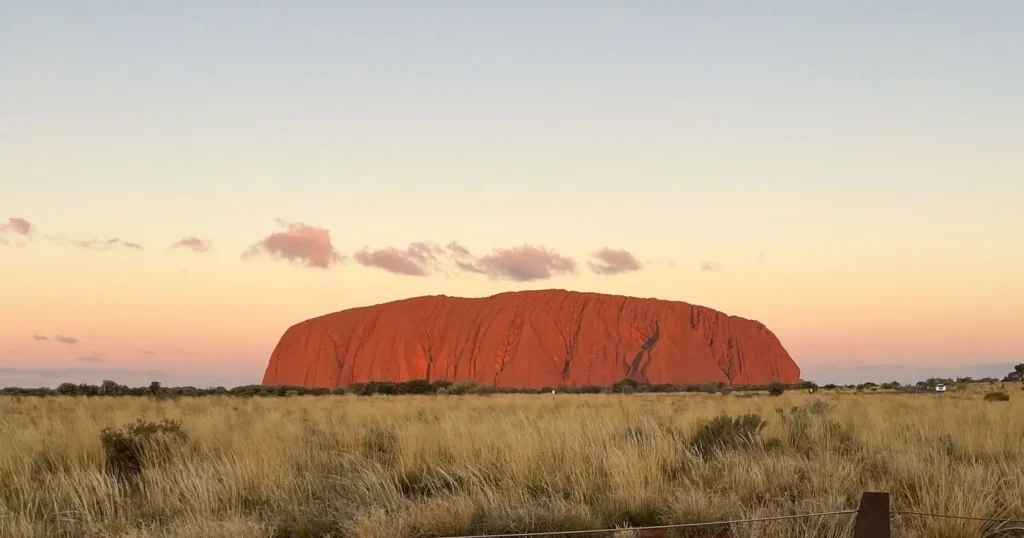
pixel 422 386
pixel 389 388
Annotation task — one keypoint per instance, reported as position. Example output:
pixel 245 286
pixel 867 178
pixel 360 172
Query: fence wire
pixel 653 527
pixel 950 516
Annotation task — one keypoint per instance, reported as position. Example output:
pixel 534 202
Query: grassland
pixel 445 465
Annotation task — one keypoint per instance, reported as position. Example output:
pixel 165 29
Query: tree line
pixel 415 386
pixel 442 387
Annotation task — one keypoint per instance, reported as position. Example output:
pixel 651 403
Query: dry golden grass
pixel 432 466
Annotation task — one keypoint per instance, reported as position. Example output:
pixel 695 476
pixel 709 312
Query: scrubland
pixel 419 466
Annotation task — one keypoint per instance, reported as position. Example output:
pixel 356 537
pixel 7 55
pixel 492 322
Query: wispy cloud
pixel 106 244
pixel 711 267
pixel 16 225
pixel 458 250
pixel 521 264
pixel 149 352
pixel 39 337
pixel 609 261
pixel 463 258
pixel 662 262
pixel 419 259
pixel 65 339
pixel 302 243
pixel 91 358
pixel 193 243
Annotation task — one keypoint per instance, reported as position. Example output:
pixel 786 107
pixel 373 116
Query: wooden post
pixel 872 516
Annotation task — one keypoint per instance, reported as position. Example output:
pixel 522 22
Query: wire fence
pixel 860 512
pixel 654 527
pixel 873 519
pixel 951 516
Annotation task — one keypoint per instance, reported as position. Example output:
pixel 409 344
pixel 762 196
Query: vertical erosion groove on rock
pixel 530 339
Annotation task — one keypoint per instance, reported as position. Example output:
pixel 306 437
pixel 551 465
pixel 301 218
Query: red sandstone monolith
pixel 530 339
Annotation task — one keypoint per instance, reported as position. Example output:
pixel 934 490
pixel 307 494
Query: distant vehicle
pixel 940 388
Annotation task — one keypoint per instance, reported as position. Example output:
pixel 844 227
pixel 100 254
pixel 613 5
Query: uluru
pixel 530 339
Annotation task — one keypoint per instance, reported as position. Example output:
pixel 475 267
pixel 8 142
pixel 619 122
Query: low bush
pixel 819 407
pixel 998 396
pixel 728 433
pixel 128 449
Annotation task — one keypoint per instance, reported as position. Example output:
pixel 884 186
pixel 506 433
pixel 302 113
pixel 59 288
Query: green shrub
pixel 839 437
pixel 464 387
pixel 128 449
pixel 728 433
pixel 776 389
pixel 712 388
pixel 627 386
pixel 819 407
pixel 416 386
pixel 998 396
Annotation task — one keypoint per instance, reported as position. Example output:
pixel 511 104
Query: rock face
pixel 530 339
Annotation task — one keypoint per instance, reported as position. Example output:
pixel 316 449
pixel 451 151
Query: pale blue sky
pixel 501 105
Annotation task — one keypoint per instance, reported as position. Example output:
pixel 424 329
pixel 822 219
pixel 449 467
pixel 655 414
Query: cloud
pixel 65 339
pixel 463 258
pixel 299 242
pixel 711 267
pixel 608 261
pixel 458 250
pixel 522 264
pixel 106 244
pixel 193 243
pixel 16 225
pixel 39 337
pixel 419 259
pixel 91 358
pixel 149 352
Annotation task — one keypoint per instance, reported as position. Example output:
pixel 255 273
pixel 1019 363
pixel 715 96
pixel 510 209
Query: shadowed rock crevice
pixel 530 339
pixel 639 366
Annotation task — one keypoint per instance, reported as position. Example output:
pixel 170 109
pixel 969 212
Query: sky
pixel 179 184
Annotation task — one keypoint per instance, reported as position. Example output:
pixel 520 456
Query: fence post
pixel 872 516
